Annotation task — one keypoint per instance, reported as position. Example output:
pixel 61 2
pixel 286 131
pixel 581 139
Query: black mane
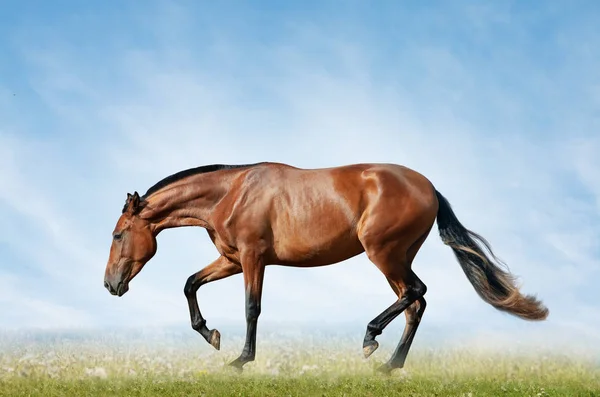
pixel 192 171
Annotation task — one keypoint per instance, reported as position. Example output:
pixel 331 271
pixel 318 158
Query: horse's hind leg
pixel 409 289
pixel 414 313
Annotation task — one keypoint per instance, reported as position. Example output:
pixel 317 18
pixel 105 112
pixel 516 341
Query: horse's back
pixel 357 182
pixel 351 187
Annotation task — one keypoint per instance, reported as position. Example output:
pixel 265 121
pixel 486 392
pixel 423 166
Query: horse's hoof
pixel 215 339
pixel 385 369
pixel 237 366
pixel 369 348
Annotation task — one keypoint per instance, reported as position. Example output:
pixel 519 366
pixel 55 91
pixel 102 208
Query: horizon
pixel 496 104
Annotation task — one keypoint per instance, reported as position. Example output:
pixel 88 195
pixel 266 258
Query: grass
pixel 307 385
pixel 63 367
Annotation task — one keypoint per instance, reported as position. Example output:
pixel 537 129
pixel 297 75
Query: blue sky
pixel 498 104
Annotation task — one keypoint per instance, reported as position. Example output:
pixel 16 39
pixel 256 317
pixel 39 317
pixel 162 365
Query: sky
pixel 497 104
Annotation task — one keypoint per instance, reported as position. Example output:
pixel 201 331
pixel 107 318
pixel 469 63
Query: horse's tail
pixel 493 284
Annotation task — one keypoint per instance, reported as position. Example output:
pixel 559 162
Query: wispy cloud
pixel 469 100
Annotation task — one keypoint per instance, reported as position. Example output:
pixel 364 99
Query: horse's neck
pixel 185 205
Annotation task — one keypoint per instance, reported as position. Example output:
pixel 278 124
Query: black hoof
pixel 237 364
pixel 385 369
pixel 238 369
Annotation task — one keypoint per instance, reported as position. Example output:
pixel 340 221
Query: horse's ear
pixel 132 204
pixel 136 200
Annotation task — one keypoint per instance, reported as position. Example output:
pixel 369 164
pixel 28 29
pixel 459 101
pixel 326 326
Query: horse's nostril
pixel 106 284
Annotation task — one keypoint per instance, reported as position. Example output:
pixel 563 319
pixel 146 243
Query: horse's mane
pixel 192 171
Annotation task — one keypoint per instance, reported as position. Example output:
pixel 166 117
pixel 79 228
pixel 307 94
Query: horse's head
pixel 133 244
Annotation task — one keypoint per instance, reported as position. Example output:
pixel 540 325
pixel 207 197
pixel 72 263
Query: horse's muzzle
pixel 119 290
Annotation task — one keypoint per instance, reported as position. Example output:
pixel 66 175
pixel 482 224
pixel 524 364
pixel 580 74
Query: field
pixel 175 365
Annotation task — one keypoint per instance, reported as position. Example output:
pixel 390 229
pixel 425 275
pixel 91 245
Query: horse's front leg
pixel 254 271
pixel 221 268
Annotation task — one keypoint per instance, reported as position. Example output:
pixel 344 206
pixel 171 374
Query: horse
pixel 272 213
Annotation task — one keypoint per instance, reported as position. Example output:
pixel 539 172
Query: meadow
pixel 170 364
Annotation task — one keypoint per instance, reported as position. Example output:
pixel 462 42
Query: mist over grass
pixel 290 361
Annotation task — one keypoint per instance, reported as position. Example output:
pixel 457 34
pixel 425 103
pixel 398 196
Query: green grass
pixel 439 383
pixel 285 369
pixel 214 385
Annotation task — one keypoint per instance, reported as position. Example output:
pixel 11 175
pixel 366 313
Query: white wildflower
pixel 98 372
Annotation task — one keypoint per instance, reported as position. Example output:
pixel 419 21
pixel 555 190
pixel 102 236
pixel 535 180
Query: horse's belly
pixel 316 247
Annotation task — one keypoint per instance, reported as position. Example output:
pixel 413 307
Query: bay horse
pixel 277 214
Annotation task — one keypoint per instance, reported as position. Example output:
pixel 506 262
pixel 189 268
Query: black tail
pixel 494 285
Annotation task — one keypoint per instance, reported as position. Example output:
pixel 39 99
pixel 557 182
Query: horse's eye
pixel 117 237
